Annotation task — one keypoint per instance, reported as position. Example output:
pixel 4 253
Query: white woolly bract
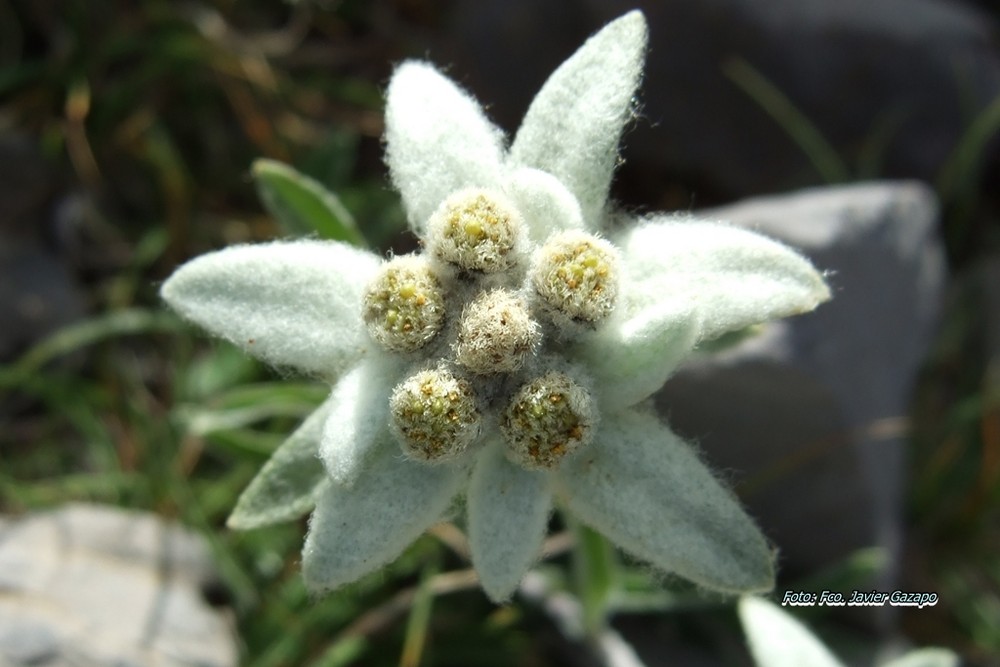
pixel 437 141
pixel 632 356
pixel 646 490
pixel 359 529
pixel 359 420
pixel 573 125
pixel 508 510
pixel 544 203
pixel 290 304
pixel 731 277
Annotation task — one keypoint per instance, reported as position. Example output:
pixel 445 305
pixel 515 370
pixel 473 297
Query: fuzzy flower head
pixel 511 359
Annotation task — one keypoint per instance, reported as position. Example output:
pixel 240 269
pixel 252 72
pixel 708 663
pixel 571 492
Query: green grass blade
pixel 94 330
pixel 795 123
pixel 598 576
pixel 961 170
pixel 418 624
pixel 303 206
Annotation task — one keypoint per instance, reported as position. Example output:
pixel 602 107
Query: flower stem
pixel 420 616
pixel 596 569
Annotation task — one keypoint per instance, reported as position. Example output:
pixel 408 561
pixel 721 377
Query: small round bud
pixel 434 415
pixel 576 276
pixel 547 419
pixel 404 305
pixel 476 230
pixel 496 333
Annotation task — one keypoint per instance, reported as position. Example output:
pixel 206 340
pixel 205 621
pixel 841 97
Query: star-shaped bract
pixel 682 281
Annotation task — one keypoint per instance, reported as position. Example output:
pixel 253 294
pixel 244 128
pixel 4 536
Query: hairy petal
pixel 646 490
pixel 734 278
pixel 290 304
pixel 359 420
pixel 632 356
pixel 291 480
pixel 574 124
pixel 356 530
pixel 508 510
pixel 547 206
pixel 437 140
pixel 778 640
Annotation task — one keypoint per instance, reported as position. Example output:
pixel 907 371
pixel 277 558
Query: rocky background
pixel 865 436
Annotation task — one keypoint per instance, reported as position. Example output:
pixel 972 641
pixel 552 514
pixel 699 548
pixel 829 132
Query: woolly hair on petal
pixel 359 529
pixel 735 278
pixel 631 357
pixel 573 126
pixel 289 304
pixel 508 511
pixel 545 203
pixel 647 491
pixel 437 140
pixel 359 419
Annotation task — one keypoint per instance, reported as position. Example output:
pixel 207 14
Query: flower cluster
pixel 511 358
pixel 470 314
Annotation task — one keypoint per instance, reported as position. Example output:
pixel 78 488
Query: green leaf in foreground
pixel 289 483
pixel 301 205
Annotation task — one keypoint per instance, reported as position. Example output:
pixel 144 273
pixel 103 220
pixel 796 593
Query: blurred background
pixel 127 132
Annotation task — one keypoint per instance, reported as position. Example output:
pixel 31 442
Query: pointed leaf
pixel 247 404
pixel 290 304
pixel 778 640
pixel 359 529
pixel 301 205
pixel 545 203
pixel 508 510
pixel 359 420
pixel 437 140
pixel 574 124
pixel 733 277
pixel 646 490
pixel 630 358
pixel 290 482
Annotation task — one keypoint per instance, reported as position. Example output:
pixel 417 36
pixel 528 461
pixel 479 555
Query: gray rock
pixel 96 586
pixel 38 294
pixel 27 641
pixel 987 280
pixel 894 80
pixel 26 183
pixel 812 414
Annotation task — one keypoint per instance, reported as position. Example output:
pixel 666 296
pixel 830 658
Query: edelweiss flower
pixel 511 359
